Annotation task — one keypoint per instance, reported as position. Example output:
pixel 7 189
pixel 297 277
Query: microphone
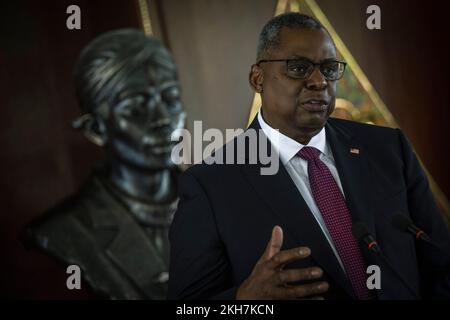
pixel 404 223
pixel 362 234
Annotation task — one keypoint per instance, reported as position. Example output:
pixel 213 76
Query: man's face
pixel 144 115
pixel 289 104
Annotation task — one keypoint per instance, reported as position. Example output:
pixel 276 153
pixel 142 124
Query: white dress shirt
pixel 298 168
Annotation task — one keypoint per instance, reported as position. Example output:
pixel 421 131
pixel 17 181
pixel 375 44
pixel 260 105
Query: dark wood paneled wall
pixel 42 159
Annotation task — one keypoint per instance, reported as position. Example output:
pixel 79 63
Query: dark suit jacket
pixel 226 214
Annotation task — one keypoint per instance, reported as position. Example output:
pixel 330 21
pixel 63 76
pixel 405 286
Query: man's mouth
pixel 315 105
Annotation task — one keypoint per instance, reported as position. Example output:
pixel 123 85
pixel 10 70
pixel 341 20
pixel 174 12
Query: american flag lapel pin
pixel 354 150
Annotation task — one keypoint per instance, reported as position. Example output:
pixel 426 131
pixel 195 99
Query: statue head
pixel 128 90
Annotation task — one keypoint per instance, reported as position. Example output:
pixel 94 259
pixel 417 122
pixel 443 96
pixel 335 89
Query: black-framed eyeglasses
pixel 302 68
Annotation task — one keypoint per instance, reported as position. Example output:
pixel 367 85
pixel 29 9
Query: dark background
pixel 42 159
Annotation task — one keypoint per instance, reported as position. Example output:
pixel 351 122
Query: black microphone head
pixel 359 230
pixel 401 221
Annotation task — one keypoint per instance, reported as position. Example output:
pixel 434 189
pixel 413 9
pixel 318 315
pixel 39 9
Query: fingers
pixel 281 258
pixel 312 291
pixel 293 275
pixel 275 242
pixel 274 245
pixel 269 280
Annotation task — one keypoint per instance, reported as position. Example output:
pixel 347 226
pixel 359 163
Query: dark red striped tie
pixel 336 215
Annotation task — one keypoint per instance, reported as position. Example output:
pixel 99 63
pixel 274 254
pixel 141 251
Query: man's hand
pixel 268 280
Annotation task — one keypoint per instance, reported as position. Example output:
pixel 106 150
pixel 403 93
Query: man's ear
pixel 256 78
pixel 93 128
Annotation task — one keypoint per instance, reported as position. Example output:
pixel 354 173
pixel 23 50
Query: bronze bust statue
pixel 116 227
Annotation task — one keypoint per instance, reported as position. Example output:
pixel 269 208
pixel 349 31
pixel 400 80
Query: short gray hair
pixel 269 38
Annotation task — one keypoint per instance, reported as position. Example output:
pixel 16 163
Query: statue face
pixel 144 114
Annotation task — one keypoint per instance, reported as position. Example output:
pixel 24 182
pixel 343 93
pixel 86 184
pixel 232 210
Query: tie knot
pixel 309 153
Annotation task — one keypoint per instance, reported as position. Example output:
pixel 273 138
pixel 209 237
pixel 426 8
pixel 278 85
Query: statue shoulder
pixel 56 225
pixel 69 219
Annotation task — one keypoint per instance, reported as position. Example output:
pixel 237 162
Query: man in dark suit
pixel 240 234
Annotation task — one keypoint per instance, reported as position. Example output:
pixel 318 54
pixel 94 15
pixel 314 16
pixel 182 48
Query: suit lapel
pixel 281 195
pixel 354 172
pixel 136 256
pixel 353 169
pixel 356 177
pixel 128 242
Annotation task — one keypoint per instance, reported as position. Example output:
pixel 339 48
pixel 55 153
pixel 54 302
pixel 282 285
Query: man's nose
pixel 316 81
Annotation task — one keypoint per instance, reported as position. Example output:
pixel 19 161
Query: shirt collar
pixel 288 147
